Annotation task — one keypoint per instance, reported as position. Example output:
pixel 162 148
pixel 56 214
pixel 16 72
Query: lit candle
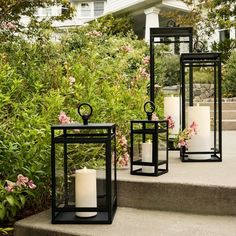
pixel 202 140
pixel 147 157
pixel 85 190
pixel 172 108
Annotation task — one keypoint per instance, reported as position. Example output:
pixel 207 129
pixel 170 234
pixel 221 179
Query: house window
pixel 47 11
pixel 224 34
pixel 98 8
pixel 86 9
pixel 91 9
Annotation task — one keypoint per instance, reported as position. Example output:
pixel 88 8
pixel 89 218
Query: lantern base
pixel 212 158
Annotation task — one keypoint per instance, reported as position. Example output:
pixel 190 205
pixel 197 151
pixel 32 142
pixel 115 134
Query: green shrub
pixel 225 47
pixel 167 68
pixel 229 78
pixel 42 78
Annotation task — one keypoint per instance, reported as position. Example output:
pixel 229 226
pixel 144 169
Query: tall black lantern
pixel 149 150
pixel 201 139
pixel 81 193
pixel 178 40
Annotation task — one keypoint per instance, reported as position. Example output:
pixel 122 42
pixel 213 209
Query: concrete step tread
pixel 231 120
pixel 133 222
pixel 229 111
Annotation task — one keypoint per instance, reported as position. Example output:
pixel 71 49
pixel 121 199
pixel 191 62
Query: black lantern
pixel 176 40
pixel 201 137
pixel 149 150
pixel 81 193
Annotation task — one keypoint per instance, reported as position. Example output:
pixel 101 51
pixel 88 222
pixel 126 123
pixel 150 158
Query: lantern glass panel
pixel 201 103
pixel 83 164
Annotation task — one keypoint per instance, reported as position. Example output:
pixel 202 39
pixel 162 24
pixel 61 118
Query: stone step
pixel 225 105
pixel 229 124
pixel 229 114
pixel 133 222
pixel 204 188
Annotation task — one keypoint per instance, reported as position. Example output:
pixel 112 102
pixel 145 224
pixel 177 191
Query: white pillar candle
pixel 202 140
pixel 85 190
pixel 147 157
pixel 172 108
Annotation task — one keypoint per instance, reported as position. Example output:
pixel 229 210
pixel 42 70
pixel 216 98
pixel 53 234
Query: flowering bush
pixel 13 197
pixel 183 137
pixel 122 150
pixel 42 78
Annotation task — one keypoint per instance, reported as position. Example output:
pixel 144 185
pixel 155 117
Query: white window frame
pixel 92 11
pixel 80 9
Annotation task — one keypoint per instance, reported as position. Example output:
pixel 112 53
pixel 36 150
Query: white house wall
pixel 117 5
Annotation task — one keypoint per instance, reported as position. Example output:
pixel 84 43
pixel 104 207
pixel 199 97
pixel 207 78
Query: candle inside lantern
pixel 201 142
pixel 85 190
pixel 147 156
pixel 172 108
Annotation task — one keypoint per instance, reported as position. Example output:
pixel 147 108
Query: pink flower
pixel 31 184
pixel 63 118
pixel 123 141
pixel 21 180
pixel 71 80
pixel 94 33
pixel 146 60
pixel 9 186
pixel 171 123
pixel 126 48
pixel 182 143
pixel 8 26
pixel 143 72
pixel 154 116
pixel 126 157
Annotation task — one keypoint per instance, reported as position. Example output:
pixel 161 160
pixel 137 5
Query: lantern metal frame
pixel 169 34
pixel 204 59
pixel 105 134
pixel 165 33
pixel 154 128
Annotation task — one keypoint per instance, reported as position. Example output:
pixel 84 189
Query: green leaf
pixel 10 200
pixel 2 211
pixel 13 211
pixel 22 199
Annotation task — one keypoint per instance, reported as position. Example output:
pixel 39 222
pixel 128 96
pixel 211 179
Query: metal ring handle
pixel 85 117
pixel 199 46
pixel 149 113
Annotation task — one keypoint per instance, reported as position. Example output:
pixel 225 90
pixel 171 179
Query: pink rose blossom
pixel 63 118
pixel 22 180
pixel 171 123
pixel 31 184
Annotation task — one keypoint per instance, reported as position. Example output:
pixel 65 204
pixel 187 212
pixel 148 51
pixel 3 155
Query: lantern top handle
pixel 85 116
pixel 149 108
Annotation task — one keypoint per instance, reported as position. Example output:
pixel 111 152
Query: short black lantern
pixel 201 138
pixel 149 150
pixel 81 193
